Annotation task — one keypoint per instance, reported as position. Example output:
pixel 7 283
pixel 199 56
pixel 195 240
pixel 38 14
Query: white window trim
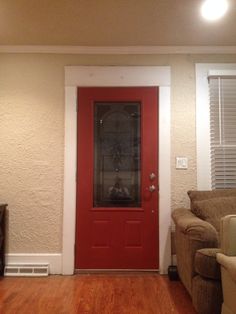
pixel 203 118
pixel 115 76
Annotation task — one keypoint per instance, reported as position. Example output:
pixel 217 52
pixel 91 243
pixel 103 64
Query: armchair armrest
pixel 196 228
pixel 229 263
pixel 228 235
pixel 227 258
pixel 191 234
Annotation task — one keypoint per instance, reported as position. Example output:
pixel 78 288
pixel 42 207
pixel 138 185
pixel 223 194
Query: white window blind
pixel 223 131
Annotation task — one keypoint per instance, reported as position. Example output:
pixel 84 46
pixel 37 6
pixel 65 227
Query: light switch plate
pixel 181 163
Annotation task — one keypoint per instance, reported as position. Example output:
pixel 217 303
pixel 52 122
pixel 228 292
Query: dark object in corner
pixel 2 238
pixel 173 273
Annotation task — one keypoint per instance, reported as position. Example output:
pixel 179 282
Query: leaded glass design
pixel 117 156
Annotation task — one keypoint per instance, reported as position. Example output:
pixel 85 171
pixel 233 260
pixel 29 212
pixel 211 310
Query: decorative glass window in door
pixel 117 154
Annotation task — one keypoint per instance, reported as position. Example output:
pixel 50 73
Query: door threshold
pixel 116 271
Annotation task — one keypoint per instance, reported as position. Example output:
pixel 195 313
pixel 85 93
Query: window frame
pixel 203 118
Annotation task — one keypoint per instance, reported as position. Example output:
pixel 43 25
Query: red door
pixel 117 184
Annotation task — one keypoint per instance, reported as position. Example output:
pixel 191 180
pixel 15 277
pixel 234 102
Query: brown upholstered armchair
pixel 197 242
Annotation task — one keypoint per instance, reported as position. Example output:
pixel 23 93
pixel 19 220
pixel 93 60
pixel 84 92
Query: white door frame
pixel 97 76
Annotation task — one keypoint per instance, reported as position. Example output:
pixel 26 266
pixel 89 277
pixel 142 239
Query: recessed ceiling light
pixel 214 9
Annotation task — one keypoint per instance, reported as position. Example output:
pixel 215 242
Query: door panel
pixel 117 208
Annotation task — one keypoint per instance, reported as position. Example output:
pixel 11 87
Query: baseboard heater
pixel 26 270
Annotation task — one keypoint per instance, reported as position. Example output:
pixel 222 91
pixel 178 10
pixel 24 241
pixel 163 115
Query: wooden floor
pixel 94 294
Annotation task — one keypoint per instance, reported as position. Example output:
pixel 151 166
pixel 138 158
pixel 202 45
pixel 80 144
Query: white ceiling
pixel 113 23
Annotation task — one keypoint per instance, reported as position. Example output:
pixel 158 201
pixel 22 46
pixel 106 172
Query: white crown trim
pixel 121 50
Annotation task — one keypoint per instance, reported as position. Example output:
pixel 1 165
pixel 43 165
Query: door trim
pixel 78 76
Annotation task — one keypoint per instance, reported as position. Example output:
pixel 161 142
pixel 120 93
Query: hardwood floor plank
pixel 94 294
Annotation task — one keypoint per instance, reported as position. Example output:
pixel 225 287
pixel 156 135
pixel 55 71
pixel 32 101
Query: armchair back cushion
pixel 206 195
pixel 212 210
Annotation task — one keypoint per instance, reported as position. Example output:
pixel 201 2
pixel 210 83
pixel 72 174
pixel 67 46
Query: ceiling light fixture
pixel 214 9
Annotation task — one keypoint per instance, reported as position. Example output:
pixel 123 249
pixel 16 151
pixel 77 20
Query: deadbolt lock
pixel 152 176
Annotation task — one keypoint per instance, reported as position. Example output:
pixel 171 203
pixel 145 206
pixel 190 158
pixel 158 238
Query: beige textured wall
pixel 32 138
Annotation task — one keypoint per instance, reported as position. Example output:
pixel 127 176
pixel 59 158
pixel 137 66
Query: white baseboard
pixel 54 260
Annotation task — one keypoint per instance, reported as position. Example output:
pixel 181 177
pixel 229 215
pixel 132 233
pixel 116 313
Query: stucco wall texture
pixel 32 138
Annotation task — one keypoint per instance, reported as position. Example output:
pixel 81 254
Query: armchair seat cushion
pixel 206 264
